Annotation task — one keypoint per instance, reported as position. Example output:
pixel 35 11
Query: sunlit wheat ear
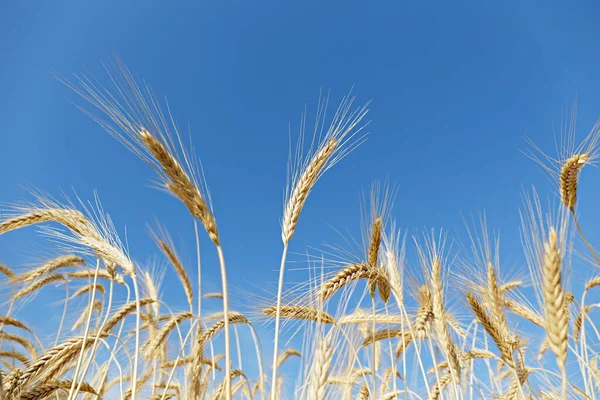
pixel 557 321
pixel 494 296
pixel 89 274
pixel 320 370
pixel 198 350
pixel 12 354
pixel 54 359
pixel 11 382
pixel 46 389
pixel 578 321
pixel 364 393
pixel 123 312
pixel 39 284
pixel 569 175
pixel 98 287
pixel 180 184
pixel 425 311
pixel 72 219
pixel 154 343
pixel 95 306
pixel 506 348
pixel 466 356
pixel 383 334
pixel 439 386
pixel 287 354
pixel 141 381
pixel 26 343
pixel 349 274
pixel 525 312
pixel 304 171
pixel 7 271
pixel 373 256
pixel 51 266
pixel 221 388
pixel 4 320
pixel 169 251
pixel 301 313
pixel 439 318
pixel 303 186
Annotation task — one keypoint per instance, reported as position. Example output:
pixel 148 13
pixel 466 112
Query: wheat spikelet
pixel 123 312
pixel 72 219
pixel 360 317
pixel 98 287
pixel 39 284
pixel 301 312
pixel 444 380
pixel 439 319
pixel 320 370
pixel 214 295
pixel 51 266
pixel 234 318
pixel 382 335
pixel 7 271
pixel 303 186
pixel 466 356
pixel 391 395
pixel 89 274
pixel 11 383
pixel 506 349
pixel 46 389
pixel 375 243
pixel 364 393
pixel 349 274
pixel 569 174
pixel 578 321
pixel 556 317
pixel 494 298
pixel 202 339
pixel 525 312
pixel 592 283
pixel 22 358
pixel 139 384
pixel 27 344
pixel 96 305
pixel 234 374
pixel 425 311
pixel 287 354
pixel 154 343
pixel 176 263
pixel 406 340
pixel 179 182
pixel 4 320
pixel 188 360
pixel 508 286
pixel 385 380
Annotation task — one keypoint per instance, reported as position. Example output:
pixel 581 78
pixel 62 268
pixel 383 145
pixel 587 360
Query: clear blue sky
pixel 455 86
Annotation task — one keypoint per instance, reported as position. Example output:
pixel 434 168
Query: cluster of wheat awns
pixel 451 325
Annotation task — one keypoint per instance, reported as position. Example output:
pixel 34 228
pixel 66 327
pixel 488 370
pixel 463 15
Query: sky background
pixel 455 86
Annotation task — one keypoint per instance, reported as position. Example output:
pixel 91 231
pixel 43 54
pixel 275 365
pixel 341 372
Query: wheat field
pixel 443 325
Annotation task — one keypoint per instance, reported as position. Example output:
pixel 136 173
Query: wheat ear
pixel 320 370
pixel 557 320
pixel 301 313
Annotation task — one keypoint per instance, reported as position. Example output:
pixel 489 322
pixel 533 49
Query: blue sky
pixel 455 86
